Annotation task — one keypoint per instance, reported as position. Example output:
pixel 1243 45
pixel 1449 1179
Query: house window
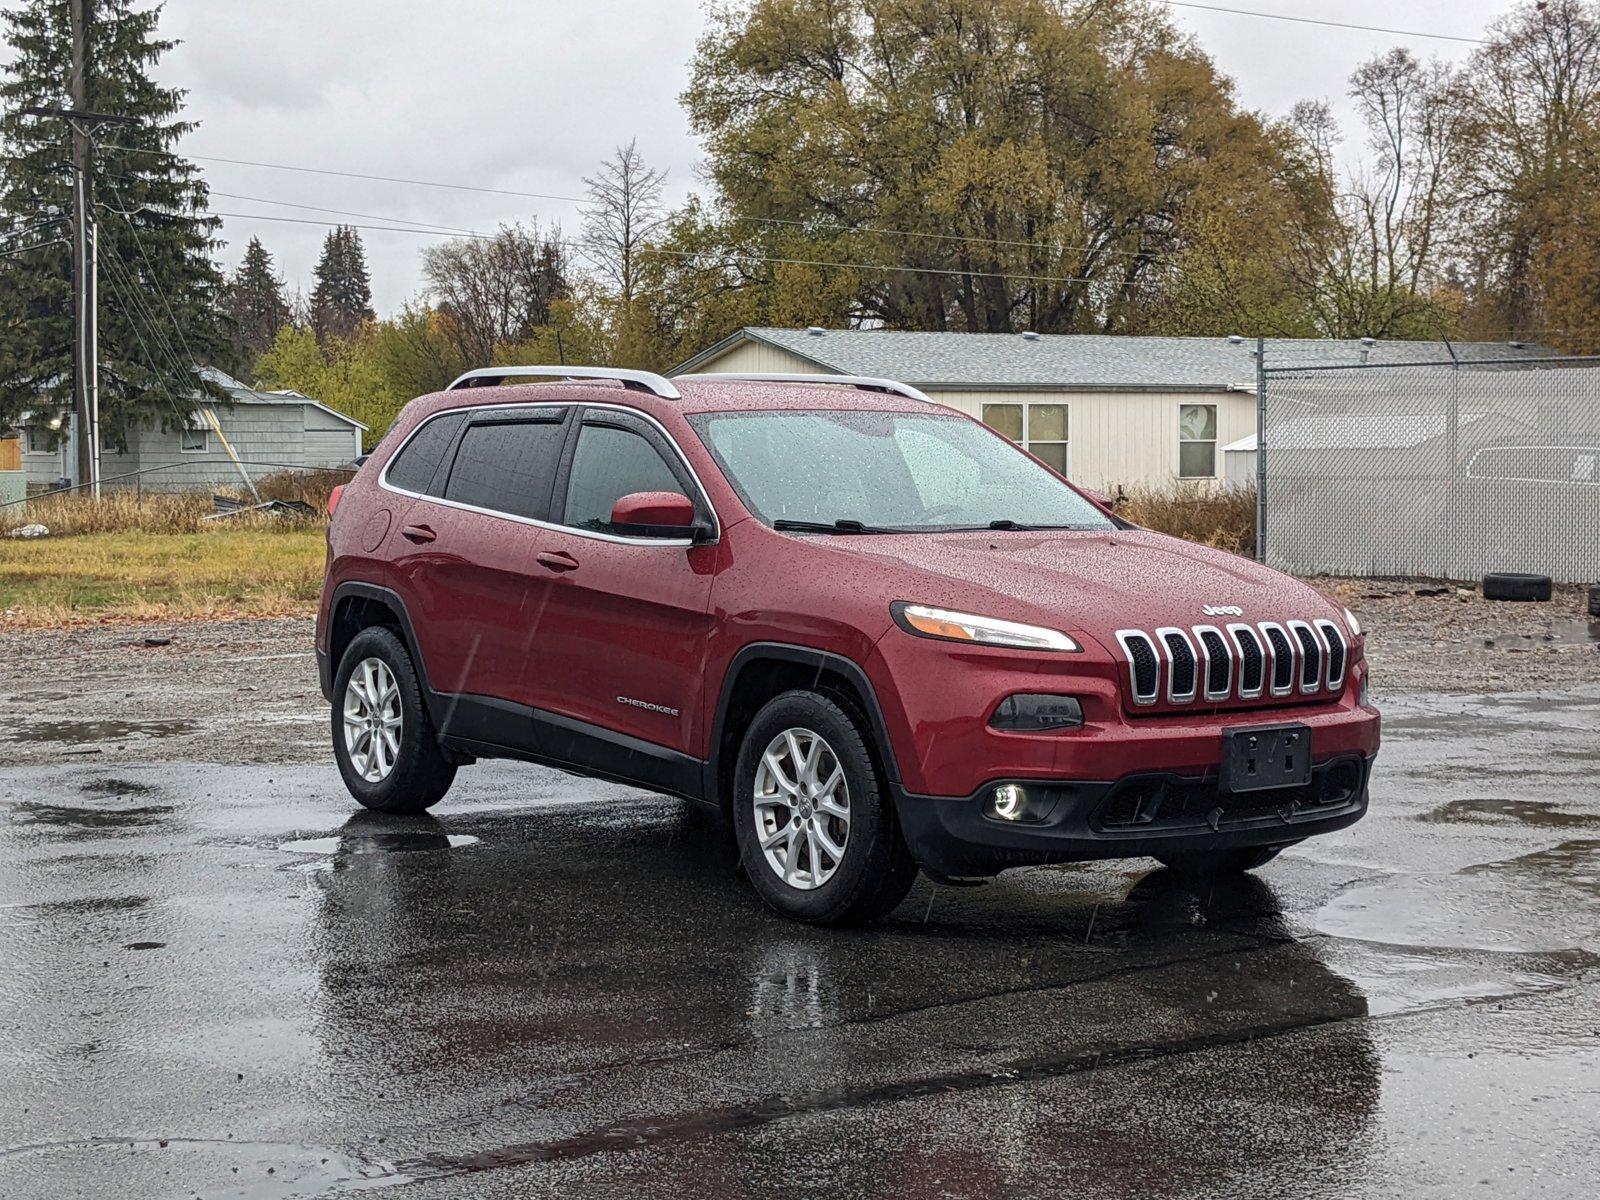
pixel 194 441
pixel 39 440
pixel 1197 441
pixel 1040 429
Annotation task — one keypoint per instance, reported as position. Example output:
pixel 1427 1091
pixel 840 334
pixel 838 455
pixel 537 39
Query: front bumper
pixel 1145 813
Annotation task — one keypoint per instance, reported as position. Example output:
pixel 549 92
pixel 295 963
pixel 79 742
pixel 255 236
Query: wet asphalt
pixel 225 981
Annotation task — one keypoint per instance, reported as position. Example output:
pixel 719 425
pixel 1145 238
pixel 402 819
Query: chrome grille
pixel 1180 663
pixel 1310 656
pixel 1282 658
pixel 1333 637
pixel 1144 665
pixel 1252 661
pixel 1239 663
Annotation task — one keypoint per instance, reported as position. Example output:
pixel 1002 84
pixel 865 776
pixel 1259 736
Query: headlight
pixel 1355 625
pixel 949 626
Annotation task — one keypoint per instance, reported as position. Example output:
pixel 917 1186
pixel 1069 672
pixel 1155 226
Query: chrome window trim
pixel 1322 656
pixel 1227 687
pixel 1124 636
pixel 1323 626
pixel 1174 697
pixel 1272 654
pixel 594 534
pixel 1261 652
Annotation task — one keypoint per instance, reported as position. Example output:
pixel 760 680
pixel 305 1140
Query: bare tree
pixel 499 290
pixel 625 212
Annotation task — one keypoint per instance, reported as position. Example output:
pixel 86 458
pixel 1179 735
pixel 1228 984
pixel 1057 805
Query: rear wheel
pixel 1219 862
pixel 817 833
pixel 387 749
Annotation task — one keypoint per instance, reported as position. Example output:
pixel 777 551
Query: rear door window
pixel 508 465
pixel 611 462
pixel 417 467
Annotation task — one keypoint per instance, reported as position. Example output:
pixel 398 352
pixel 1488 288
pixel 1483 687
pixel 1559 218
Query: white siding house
pixel 1108 411
pixel 266 430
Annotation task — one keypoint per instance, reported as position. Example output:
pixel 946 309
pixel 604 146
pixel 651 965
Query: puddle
pixel 1560 633
pixel 1495 811
pixel 1541 902
pixel 90 820
pixel 116 787
pixel 78 733
pixel 1395 981
pixel 399 842
pixel 190 1166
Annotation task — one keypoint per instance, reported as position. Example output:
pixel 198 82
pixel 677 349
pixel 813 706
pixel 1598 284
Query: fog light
pixel 1366 680
pixel 1009 802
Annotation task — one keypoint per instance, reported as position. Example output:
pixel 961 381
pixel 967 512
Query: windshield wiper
pixel 843 525
pixel 1008 523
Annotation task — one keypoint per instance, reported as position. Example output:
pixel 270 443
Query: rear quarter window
pixel 417 467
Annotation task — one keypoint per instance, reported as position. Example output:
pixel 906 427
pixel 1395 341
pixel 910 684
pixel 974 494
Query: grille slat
pixel 1310 656
pixel 1337 653
pixel 1181 662
pixel 1282 659
pixel 1219 663
pixel 1144 665
pixel 1239 663
pixel 1252 661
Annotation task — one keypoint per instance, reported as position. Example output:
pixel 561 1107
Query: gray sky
pixel 528 95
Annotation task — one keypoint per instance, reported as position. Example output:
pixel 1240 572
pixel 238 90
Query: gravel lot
pixel 246 691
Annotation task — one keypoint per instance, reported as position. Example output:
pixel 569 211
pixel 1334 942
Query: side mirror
pixel 654 514
pixel 1099 499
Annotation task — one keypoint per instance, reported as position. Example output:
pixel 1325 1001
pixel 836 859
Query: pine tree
pixel 342 299
pixel 159 288
pixel 253 301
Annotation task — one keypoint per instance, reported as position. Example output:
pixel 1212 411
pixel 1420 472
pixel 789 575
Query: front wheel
pixel 817 833
pixel 383 739
pixel 1219 862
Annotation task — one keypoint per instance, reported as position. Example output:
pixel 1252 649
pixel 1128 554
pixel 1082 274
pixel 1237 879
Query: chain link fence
pixel 1442 470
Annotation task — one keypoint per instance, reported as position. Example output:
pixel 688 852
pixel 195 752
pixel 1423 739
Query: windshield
pixel 887 471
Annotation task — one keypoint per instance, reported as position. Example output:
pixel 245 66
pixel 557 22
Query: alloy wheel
pixel 802 808
pixel 372 719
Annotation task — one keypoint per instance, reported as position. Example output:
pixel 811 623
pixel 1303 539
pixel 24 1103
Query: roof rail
pixel 868 383
pixel 645 381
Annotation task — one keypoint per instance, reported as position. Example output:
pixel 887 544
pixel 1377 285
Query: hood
pixel 1094 583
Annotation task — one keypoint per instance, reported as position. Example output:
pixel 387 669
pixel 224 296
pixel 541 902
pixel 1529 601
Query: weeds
pixel 124 510
pixel 1223 517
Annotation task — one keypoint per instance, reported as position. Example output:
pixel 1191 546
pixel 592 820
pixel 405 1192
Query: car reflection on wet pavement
pixel 218 981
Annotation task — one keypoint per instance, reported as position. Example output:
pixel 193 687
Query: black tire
pixel 1508 585
pixel 1218 862
pixel 420 774
pixel 876 869
pixel 1594 601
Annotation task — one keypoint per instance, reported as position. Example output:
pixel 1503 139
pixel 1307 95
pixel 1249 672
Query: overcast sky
pixel 528 96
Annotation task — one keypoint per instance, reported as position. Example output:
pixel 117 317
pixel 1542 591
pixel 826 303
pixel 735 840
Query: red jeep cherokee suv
pixel 871 631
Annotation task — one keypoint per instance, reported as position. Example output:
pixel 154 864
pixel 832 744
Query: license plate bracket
pixel 1261 757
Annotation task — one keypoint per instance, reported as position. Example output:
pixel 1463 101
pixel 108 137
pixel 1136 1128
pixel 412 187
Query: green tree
pixel 159 312
pixel 1529 104
pixel 341 301
pixel 983 165
pixel 253 301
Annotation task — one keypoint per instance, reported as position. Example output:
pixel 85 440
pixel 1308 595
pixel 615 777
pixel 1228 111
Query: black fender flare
pixel 391 600
pixel 807 656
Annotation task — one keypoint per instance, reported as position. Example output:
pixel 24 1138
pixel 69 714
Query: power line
pixel 791 222
pixel 733 256
pixel 1244 12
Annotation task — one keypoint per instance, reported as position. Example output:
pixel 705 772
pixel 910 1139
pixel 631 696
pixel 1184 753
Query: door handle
pixel 557 560
pixel 418 534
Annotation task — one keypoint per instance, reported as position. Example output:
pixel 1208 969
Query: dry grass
pixel 1224 518
pixel 70 514
pixel 133 575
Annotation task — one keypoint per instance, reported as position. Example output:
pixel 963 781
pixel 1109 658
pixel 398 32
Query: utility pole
pixel 85 244
pixel 85 393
